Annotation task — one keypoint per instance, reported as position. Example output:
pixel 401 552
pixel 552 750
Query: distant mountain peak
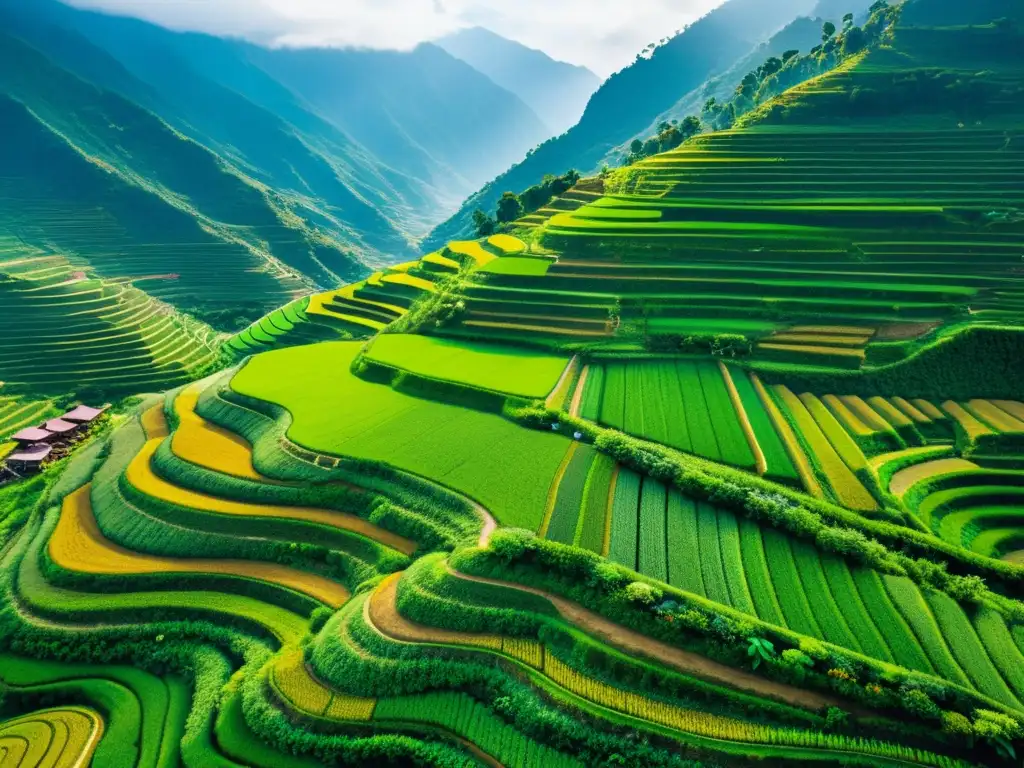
pixel 485 35
pixel 556 90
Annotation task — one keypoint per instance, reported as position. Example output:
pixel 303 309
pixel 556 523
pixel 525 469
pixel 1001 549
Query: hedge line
pixel 875 543
pixel 354 657
pixel 429 594
pixel 719 632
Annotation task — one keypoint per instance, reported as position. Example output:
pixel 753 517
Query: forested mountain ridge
pixel 362 150
pixel 631 100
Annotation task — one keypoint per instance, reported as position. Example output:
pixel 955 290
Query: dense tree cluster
pixel 773 77
pixel 512 206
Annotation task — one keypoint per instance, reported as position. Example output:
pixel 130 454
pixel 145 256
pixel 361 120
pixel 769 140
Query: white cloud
pixel 604 35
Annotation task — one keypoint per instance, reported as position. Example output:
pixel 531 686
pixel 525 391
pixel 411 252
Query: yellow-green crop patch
pixel 503 466
pixel 494 367
pixel 507 244
pixel 517 265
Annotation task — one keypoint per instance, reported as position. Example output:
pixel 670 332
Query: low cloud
pixel 604 35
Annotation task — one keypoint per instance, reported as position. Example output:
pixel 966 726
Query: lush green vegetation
pixel 517 372
pixel 335 412
pixel 715 460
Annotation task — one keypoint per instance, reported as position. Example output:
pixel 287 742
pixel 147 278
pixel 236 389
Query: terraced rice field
pixel 63 331
pixel 366 547
pixel 972 507
pixel 836 454
pixel 829 231
pixel 303 321
pixel 785 581
pixel 683 404
pixel 57 737
pixel 79 545
pixel 17 413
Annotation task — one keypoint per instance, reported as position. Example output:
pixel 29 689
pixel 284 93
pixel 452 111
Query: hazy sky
pixel 604 35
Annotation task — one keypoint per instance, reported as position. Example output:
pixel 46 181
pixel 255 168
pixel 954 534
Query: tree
pixel 484 224
pixel 690 127
pixel 847 21
pixel 636 147
pixel 770 67
pixel 878 6
pixel 827 30
pixel 510 208
pixel 789 55
pixel 854 41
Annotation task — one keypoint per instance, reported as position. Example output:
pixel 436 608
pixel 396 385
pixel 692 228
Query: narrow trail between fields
pixel 635 643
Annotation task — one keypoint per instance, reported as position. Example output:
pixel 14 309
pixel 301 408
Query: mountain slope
pixel 96 176
pixel 629 100
pixel 423 111
pixel 802 34
pixel 138 61
pixel 884 194
pixel 428 128
pixel 556 91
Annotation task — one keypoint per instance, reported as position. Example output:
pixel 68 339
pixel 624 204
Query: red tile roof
pixel 82 414
pixel 59 426
pixel 32 435
pixel 32 453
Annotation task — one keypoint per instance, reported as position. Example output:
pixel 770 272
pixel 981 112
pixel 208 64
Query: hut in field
pixel 83 414
pixel 61 428
pixel 29 459
pixel 31 435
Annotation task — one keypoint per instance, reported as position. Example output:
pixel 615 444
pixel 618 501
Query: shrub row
pixel 429 594
pixel 355 657
pixel 877 544
pixel 721 633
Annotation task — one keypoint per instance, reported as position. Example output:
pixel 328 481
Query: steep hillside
pixel 630 100
pixel 95 176
pixel 323 174
pixel 423 111
pixel 390 150
pixel 892 183
pixel 556 91
pixel 371 177
pixel 800 35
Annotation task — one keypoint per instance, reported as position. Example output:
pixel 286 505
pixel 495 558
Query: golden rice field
pixel 79 545
pixel 63 737
pixel 198 441
pixel 140 474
